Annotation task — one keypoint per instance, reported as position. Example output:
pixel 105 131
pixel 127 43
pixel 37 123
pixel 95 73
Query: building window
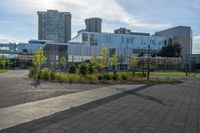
pixel 93 40
pixel 85 37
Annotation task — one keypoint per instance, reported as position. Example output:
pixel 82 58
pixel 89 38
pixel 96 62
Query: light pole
pixel 148 67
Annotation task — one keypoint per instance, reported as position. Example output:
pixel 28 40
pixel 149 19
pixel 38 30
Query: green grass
pixel 172 74
pixel 3 70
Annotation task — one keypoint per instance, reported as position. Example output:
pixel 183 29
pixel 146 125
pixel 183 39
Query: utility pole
pixel 148 67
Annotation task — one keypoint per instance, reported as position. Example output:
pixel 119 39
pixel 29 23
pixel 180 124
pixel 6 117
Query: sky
pixel 19 22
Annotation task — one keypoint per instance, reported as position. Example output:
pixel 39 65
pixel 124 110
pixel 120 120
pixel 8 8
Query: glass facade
pixel 120 41
pixel 12 50
pixel 122 44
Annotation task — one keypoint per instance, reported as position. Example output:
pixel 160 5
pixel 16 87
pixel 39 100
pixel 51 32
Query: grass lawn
pixel 172 74
pixel 3 70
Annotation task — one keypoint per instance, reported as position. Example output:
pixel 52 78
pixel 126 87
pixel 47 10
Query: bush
pixel 115 76
pixel 38 75
pixel 52 75
pixel 45 75
pixel 123 76
pixel 99 77
pixel 91 69
pixel 32 72
pixel 108 76
pixel 72 68
pixel 83 68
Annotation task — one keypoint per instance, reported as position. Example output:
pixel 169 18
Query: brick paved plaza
pixel 151 109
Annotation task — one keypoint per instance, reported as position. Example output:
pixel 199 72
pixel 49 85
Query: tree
pixel 171 50
pixel 63 61
pixel 4 61
pixel 94 61
pixel 72 68
pixel 39 59
pixel 114 61
pixel 133 62
pixel 103 59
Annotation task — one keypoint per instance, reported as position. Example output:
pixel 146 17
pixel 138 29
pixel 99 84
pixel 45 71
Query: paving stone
pixel 159 109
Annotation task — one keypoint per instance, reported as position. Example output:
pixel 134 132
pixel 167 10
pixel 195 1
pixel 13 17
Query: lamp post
pixel 148 67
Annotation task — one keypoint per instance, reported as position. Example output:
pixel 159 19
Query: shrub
pixel 83 68
pixel 91 69
pixel 115 76
pixel 60 77
pixel 38 75
pixel 123 76
pixel 107 76
pixel 72 68
pixel 99 77
pixel 32 72
pixel 45 75
pixel 52 75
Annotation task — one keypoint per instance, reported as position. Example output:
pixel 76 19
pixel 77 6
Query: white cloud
pixel 109 10
pixel 8 38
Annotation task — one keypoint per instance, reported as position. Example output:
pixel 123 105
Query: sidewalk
pixel 15 115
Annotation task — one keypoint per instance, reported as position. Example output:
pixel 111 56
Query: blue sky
pixel 18 18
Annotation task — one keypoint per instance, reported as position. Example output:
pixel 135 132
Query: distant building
pixel 122 31
pixel 181 34
pixel 93 25
pixel 140 34
pixel 54 25
pixel 82 30
pixel 21 54
pixel 129 32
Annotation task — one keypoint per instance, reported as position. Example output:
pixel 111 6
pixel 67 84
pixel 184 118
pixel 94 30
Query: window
pixel 85 37
pixel 93 41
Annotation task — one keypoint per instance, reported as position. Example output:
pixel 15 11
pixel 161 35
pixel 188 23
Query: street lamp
pixel 148 67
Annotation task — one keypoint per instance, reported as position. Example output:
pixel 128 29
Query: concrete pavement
pixel 16 88
pixel 15 115
pixel 162 108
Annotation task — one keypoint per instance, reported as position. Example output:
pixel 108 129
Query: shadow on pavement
pixel 146 97
pixel 35 83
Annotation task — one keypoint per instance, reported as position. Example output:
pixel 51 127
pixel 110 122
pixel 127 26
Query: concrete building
pixel 93 24
pixel 181 34
pixel 54 25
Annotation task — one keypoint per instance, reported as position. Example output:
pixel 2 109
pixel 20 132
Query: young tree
pixel 114 61
pixel 103 59
pixel 94 61
pixel 39 59
pixel 72 68
pixel 133 62
pixel 4 61
pixel 63 62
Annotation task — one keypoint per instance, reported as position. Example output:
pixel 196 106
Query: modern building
pixel 86 44
pixel 129 32
pixel 21 54
pixel 54 25
pixel 93 24
pixel 181 34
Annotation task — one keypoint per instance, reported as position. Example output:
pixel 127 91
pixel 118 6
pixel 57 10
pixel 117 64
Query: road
pixel 153 109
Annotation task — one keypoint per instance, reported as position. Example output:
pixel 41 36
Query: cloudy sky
pixel 18 18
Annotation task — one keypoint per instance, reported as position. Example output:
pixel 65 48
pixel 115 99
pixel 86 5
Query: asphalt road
pixel 16 88
pixel 154 109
